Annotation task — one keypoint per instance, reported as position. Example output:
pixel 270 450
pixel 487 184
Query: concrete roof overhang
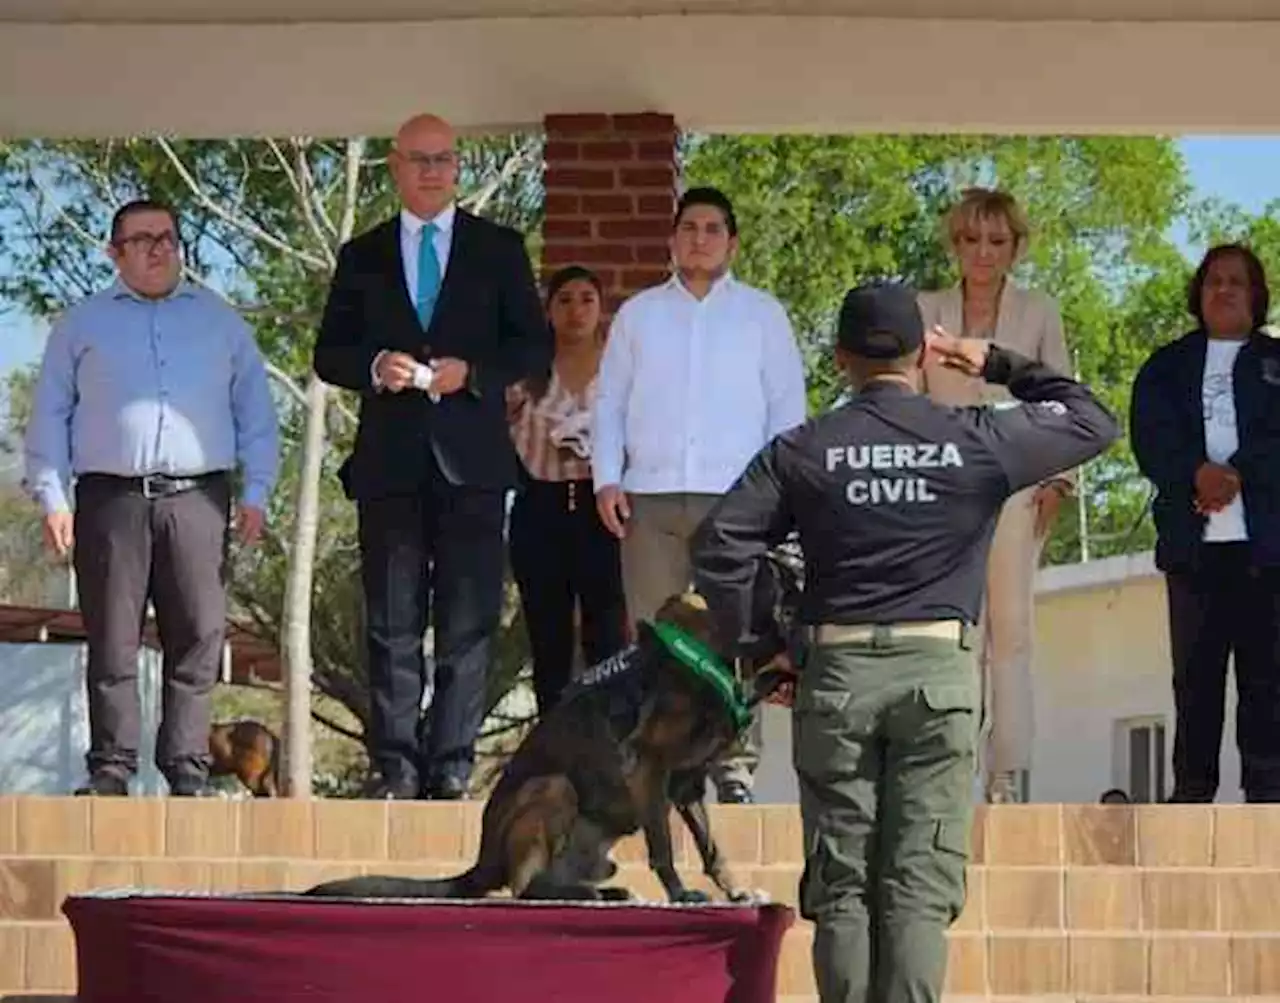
pixel 97 68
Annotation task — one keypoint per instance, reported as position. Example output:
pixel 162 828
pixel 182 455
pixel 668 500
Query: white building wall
pixel 44 722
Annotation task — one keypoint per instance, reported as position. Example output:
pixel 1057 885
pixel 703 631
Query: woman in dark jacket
pixel 1205 429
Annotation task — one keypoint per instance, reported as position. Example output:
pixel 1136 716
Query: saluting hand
pixel 967 355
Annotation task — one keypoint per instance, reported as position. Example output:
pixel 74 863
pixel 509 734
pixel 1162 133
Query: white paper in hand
pixel 424 374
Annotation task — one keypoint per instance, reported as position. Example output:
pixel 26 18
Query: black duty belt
pixel 155 485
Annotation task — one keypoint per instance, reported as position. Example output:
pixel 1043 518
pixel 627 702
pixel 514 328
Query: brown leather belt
pixel 856 633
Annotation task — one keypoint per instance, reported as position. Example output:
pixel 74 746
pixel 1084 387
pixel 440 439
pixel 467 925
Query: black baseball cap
pixel 880 321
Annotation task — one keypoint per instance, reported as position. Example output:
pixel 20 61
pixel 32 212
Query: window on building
pixel 1142 771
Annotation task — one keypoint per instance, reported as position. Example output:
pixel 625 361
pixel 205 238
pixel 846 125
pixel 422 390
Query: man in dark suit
pixel 430 316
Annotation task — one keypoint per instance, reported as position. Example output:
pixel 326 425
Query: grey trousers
pixel 655 566
pixel 171 550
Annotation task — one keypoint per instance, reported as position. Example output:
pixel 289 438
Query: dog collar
pixel 706 665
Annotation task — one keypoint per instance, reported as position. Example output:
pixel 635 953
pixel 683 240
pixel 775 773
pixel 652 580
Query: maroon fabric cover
pixel 273 949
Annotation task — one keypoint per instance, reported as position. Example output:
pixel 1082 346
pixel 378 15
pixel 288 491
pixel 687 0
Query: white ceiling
pixel 197 67
pixel 349 11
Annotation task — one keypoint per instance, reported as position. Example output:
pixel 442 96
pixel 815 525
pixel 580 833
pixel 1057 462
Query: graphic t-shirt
pixel 1220 437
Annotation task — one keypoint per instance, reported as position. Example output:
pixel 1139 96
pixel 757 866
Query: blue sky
pixel 1244 170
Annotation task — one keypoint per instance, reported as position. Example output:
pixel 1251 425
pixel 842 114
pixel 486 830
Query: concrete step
pixel 1067 902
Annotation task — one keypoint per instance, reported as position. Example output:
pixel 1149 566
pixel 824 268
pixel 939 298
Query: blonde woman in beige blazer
pixel 987 232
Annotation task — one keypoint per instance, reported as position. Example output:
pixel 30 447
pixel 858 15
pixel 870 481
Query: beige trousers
pixel 1008 635
pixel 656 566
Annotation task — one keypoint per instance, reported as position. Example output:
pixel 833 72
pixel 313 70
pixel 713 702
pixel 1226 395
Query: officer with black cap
pixel 895 499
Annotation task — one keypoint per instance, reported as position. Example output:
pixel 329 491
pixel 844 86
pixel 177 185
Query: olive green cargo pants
pixel 885 736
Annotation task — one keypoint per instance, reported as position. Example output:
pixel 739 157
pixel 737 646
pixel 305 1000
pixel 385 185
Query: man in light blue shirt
pixel 151 394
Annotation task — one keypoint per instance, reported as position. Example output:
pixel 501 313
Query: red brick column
pixel 610 194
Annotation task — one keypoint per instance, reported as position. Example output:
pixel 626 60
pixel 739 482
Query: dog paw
pixel 753 897
pixel 616 894
pixel 690 896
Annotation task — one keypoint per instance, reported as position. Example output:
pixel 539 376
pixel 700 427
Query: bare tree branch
pixel 298 182
pixel 285 166
pixel 307 200
pixel 286 381
pixel 245 226
pixel 246 171
pixel 300 395
pixel 343 410
pixel 355 149
pixel 513 163
pixel 196 278
pixel 335 727
pixel 317 716
pixel 102 179
pixel 308 180
pixel 297 635
pixel 65 216
pixel 66 274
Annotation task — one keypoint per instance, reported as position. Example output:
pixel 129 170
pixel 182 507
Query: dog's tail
pixel 468 885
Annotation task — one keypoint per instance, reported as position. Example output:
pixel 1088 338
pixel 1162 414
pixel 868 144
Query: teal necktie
pixel 428 275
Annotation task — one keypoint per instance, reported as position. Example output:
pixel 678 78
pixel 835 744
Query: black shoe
pixel 189 785
pixel 1192 797
pixel 105 783
pixel 382 789
pixel 446 789
pixel 734 792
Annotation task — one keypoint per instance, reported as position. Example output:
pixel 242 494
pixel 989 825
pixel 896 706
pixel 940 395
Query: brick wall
pixel 610 194
pixel 1066 902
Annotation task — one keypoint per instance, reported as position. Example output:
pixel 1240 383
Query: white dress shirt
pixel 410 241
pixel 690 390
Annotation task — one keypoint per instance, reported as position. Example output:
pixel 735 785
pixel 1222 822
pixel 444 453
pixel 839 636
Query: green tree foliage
pixel 819 214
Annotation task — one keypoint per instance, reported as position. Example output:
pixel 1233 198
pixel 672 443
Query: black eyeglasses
pixel 432 161
pixel 148 242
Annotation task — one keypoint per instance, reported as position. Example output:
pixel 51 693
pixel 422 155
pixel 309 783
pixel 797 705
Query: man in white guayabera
pixel 698 374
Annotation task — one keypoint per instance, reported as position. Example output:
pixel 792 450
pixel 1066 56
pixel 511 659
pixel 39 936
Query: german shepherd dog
pixel 587 774
pixel 249 751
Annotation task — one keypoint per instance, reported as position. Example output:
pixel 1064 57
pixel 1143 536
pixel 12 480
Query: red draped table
pixel 135 947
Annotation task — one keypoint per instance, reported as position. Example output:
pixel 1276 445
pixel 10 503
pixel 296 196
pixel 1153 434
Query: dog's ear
pixel 688 611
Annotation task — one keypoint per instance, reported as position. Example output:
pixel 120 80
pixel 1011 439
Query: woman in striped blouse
pixel 564 559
